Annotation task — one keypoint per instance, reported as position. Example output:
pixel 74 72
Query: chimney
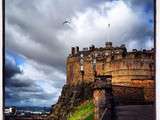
pixel 73 50
pixel 108 44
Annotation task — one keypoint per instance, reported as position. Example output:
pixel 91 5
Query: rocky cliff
pixel 71 97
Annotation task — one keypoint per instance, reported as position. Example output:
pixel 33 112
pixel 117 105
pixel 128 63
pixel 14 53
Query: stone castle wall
pixel 134 68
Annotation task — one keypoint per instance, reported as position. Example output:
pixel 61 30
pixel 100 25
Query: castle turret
pixel 73 50
pixel 77 49
pixel 102 98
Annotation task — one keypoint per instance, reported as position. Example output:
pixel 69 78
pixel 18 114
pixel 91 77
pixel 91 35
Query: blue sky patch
pixel 18 59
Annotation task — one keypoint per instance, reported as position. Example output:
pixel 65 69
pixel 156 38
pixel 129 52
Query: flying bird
pixel 66 22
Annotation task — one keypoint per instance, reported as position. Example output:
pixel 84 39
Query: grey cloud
pixel 11 82
pixel 41 98
pixel 17 93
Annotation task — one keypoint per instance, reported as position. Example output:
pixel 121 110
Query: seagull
pixel 66 22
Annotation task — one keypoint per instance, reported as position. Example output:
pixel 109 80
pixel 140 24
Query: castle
pixel 132 78
pixel 133 69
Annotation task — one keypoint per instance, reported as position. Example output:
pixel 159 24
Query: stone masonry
pixel 130 69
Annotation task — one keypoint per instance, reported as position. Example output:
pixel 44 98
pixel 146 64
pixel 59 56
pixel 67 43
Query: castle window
pixel 112 58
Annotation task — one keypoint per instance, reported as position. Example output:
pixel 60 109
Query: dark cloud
pixel 25 92
pixel 11 82
pixel 25 97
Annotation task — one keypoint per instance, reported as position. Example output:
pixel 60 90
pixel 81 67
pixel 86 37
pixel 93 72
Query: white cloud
pixel 90 27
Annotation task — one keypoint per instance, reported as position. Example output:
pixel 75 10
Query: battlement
pixel 110 52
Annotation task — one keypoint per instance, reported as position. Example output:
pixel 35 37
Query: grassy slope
pixel 83 112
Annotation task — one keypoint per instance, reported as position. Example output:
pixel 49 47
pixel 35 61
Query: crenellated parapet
pixel 114 53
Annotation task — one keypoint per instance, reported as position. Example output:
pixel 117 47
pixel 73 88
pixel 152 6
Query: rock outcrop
pixel 71 97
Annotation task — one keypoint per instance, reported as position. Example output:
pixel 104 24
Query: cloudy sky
pixel 37 43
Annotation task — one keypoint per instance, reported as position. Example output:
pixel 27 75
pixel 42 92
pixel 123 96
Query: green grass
pixel 90 117
pixel 83 112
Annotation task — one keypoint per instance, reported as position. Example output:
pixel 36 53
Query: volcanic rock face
pixel 71 97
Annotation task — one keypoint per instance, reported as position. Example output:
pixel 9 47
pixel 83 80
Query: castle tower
pixel 102 98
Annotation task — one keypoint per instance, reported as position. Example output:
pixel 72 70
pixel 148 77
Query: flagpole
pixel 108 32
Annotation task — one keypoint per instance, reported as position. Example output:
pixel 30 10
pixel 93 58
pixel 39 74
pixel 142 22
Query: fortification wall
pixel 124 68
pixel 127 95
